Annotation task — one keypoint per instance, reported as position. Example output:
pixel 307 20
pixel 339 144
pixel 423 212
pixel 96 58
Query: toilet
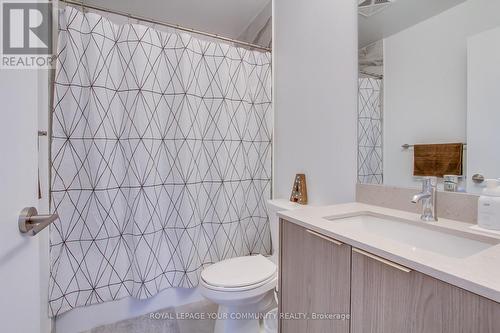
pixel 243 287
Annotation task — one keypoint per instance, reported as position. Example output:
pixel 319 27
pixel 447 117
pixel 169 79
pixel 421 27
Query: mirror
pixel 428 74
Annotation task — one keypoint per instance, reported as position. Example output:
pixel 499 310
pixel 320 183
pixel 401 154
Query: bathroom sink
pixel 417 235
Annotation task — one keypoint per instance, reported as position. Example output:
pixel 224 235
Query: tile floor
pixel 165 321
pixel 170 320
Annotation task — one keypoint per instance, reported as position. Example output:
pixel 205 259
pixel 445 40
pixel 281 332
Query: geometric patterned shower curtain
pixel 161 159
pixel 370 128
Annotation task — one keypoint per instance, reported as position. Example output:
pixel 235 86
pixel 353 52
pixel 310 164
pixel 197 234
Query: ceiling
pixel 400 15
pixel 228 18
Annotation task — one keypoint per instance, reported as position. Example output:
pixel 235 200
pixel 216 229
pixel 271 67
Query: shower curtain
pixel 370 127
pixel 161 159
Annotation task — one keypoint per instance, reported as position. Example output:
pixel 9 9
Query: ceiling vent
pixel 369 8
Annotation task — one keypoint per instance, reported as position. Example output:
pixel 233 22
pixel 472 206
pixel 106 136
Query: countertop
pixel 478 273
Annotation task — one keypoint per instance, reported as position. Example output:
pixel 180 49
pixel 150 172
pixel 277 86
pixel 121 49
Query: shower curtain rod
pixel 373 76
pixel 166 24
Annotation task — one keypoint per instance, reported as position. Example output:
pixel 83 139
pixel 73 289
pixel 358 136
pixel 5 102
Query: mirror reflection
pixel 427 76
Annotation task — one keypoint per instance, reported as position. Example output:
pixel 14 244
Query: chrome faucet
pixel 428 196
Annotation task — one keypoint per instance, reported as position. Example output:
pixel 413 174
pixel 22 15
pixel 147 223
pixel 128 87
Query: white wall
pixel 315 100
pixel 483 116
pixel 426 83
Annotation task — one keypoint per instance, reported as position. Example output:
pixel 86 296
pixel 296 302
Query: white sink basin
pixel 417 235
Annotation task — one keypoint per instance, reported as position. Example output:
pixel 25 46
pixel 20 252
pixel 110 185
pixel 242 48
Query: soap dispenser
pixel 488 214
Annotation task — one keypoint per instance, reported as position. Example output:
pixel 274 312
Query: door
pixel 315 282
pixel 483 116
pixel 21 308
pixel 387 297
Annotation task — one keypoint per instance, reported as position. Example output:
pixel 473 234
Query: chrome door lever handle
pixel 32 223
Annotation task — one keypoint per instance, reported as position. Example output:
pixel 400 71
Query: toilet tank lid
pixel 284 204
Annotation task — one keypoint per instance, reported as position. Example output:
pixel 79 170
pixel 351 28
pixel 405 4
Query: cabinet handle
pixel 331 240
pixel 382 260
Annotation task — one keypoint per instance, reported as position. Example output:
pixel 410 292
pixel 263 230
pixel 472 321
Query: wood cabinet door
pixel 387 299
pixel 314 279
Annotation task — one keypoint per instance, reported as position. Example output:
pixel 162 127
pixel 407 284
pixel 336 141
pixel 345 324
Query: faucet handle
pixel 429 181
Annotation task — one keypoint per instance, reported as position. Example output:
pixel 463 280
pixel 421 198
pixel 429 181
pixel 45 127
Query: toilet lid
pixel 239 272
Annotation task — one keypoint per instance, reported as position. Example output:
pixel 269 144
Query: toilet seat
pixel 239 274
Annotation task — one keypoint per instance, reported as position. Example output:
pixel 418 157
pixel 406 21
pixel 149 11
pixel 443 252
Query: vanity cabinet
pixel 320 275
pixel 315 275
pixel 387 297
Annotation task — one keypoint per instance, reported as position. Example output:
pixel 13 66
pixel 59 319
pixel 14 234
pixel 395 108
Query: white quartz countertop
pixel 478 273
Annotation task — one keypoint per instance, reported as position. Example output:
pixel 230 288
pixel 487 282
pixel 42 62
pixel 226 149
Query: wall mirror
pixel 429 73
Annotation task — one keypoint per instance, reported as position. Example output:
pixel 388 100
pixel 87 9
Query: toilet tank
pixel 273 207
